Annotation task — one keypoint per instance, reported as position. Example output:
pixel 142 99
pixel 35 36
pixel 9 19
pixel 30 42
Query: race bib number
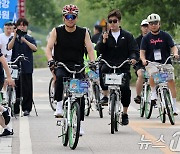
pixel 157 54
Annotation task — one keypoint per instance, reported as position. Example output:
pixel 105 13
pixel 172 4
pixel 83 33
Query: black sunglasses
pixel 70 16
pixel 154 23
pixel 113 21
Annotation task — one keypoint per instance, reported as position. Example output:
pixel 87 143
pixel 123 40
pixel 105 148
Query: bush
pixel 40 60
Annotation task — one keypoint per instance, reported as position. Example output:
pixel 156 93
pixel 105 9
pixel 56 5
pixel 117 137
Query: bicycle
pixel 114 81
pixel 94 92
pixel 16 73
pixel 52 102
pixel 146 106
pixel 73 90
pixel 165 100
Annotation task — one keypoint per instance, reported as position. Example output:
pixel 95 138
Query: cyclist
pixel 69 41
pixel 157 46
pixel 138 66
pixel 4 112
pixel 97 33
pixel 116 46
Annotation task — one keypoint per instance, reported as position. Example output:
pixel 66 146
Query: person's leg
pixel 27 93
pixel 125 98
pixel 172 87
pixel 139 86
pixel 60 74
pixel 104 69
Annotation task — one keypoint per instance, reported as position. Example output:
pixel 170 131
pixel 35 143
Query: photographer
pixel 21 43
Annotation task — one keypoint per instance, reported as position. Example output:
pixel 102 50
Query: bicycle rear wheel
pixel 51 95
pixel 148 104
pixel 87 106
pixel 113 101
pixel 169 107
pixel 97 97
pixel 74 127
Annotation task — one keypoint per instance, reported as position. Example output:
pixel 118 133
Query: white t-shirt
pixel 116 35
pixel 3 45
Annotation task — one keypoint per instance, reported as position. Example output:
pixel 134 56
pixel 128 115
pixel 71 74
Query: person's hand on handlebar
pixel 51 65
pixel 92 66
pixel 133 61
pixel 176 56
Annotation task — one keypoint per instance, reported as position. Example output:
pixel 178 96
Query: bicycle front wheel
pixel 148 104
pixel 169 107
pixel 162 113
pixel 65 127
pixel 11 97
pixel 97 97
pixel 113 101
pixel 74 127
pixel 142 104
pixel 51 94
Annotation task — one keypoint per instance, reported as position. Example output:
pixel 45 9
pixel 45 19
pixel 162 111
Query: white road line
pixel 24 136
pixel 6 143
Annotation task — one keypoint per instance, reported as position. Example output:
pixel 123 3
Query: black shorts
pixel 138 66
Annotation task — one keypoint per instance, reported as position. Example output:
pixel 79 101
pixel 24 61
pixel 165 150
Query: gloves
pixel 92 66
pixel 51 64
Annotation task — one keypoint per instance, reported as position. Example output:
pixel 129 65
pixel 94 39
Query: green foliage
pixel 40 60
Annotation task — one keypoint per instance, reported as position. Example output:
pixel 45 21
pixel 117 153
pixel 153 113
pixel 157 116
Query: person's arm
pixel 142 57
pixel 31 45
pixel 6 68
pixel 11 43
pixel 50 44
pixel 89 47
pixel 174 50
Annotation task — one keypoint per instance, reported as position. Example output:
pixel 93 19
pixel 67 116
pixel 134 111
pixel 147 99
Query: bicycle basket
pixel 161 77
pixel 93 75
pixel 114 79
pixel 78 86
pixel 14 72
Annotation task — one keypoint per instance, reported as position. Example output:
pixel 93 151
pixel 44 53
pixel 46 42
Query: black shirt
pixel 157 43
pixel 70 46
pixel 116 53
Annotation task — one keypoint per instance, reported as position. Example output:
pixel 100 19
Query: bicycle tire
pixel 113 101
pixel 169 107
pixel 51 95
pixel 87 106
pixel 65 137
pixel 97 97
pixel 117 117
pixel 162 114
pixel 74 128
pixel 148 104
pixel 9 99
pixel 142 104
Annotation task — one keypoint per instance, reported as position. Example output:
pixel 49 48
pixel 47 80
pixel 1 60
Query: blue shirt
pixel 22 48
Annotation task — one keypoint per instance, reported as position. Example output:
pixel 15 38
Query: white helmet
pixel 70 9
pixel 153 17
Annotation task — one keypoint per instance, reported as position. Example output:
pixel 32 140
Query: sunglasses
pixel 70 16
pixel 113 21
pixel 154 23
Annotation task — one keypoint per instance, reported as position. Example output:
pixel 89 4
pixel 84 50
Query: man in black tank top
pixel 68 41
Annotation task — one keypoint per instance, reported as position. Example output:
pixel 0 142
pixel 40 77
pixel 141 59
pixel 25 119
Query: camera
pixel 20 33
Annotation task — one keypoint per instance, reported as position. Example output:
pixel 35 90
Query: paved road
pixel 38 135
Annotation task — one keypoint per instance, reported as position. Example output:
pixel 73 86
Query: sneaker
pixel 6 132
pixel 104 101
pixel 125 119
pixel 6 116
pixel 58 113
pixel 81 133
pixel 175 114
pixel 137 99
pixel 153 102
pixel 26 113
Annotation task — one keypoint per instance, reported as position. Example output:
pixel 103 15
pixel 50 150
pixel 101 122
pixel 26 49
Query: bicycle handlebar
pixel 19 58
pixel 114 67
pixel 160 64
pixel 73 72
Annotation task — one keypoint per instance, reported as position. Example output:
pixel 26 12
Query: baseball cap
pixel 144 22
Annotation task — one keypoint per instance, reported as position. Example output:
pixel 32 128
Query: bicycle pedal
pixel 59 123
pixel 61 135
